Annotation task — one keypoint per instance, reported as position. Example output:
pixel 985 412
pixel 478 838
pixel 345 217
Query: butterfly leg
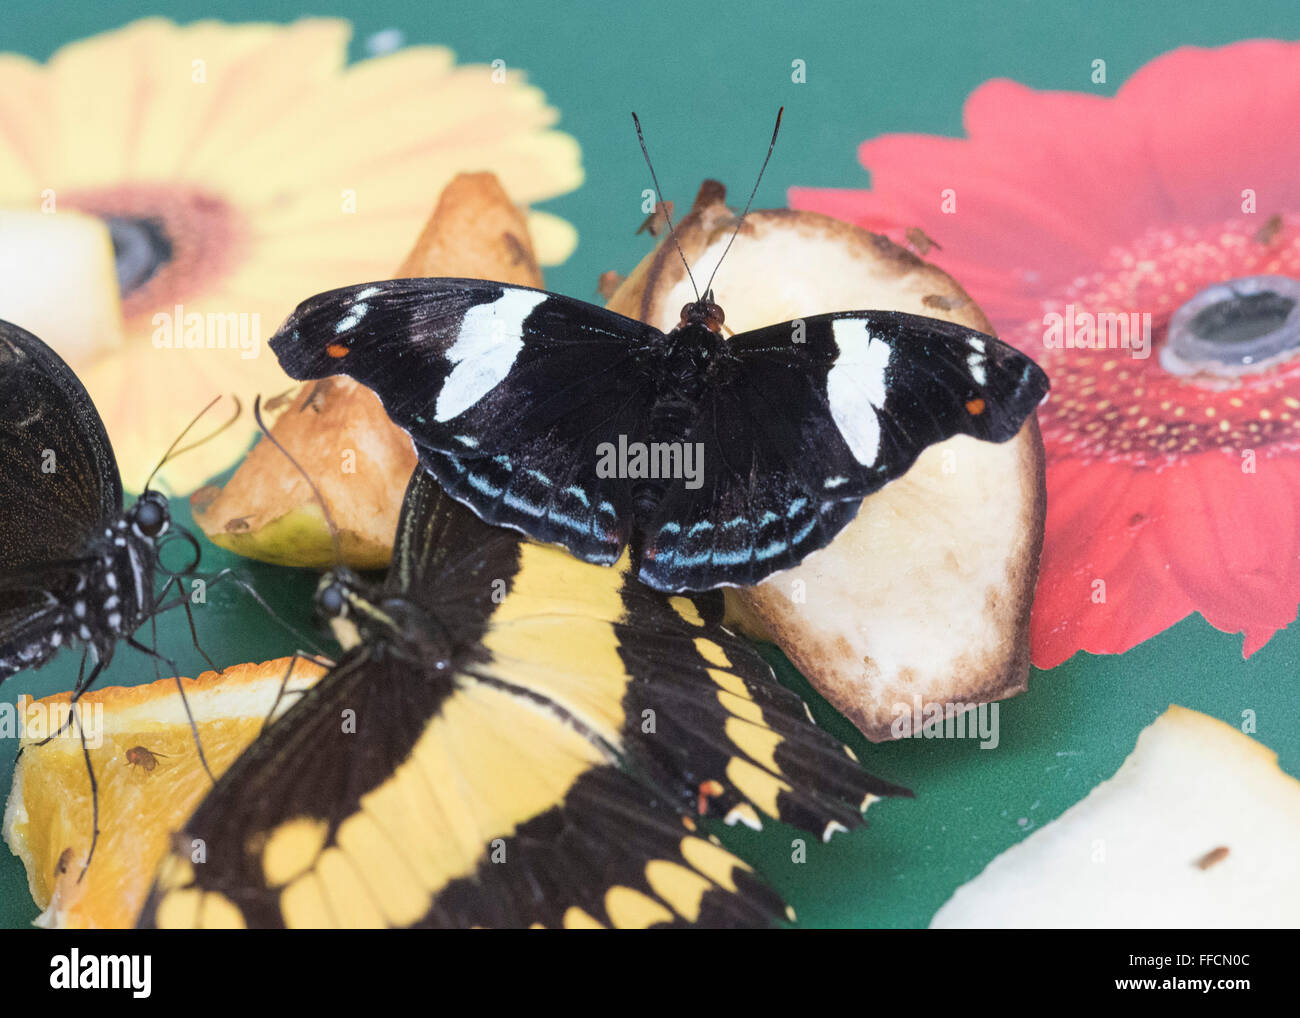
pixel 284 681
pixel 83 683
pixel 94 790
pixel 180 688
pixel 229 574
pixel 194 635
pixel 175 578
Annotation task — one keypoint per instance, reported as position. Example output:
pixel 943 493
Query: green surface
pixel 706 82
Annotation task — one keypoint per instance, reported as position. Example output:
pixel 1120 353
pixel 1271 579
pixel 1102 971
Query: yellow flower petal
pixel 276 171
pixel 25 129
pixel 554 239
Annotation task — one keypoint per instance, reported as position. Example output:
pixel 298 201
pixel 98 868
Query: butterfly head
pixel 150 517
pixel 340 603
pixel 703 312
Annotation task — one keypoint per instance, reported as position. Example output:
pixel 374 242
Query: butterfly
pixel 77 567
pixel 511 738
pixel 721 460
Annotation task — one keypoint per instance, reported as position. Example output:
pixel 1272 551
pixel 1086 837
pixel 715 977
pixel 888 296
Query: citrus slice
pixel 1197 830
pixel 149 777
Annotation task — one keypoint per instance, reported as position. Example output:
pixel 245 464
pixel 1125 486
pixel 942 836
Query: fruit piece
pixel 44 258
pixel 47 820
pixel 1197 829
pixel 336 428
pixel 476 233
pixel 927 592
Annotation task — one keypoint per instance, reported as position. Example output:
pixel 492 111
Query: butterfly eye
pixel 150 518
pixel 331 600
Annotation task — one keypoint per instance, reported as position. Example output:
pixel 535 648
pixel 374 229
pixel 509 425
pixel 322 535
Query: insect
pixel 921 241
pixel 1212 857
pixel 1268 232
pixel 145 759
pixel 76 566
pixel 719 460
pixel 535 758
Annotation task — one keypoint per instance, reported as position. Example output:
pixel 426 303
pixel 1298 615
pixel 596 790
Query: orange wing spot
pixel 975 407
pixel 336 350
pixel 708 790
pixel 687 822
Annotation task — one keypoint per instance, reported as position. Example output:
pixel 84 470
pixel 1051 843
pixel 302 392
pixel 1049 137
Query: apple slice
pixel 337 429
pixel 927 592
pixel 1197 829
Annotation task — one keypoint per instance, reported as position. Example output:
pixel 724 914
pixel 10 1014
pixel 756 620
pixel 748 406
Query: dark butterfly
pixel 511 738
pixel 721 460
pixel 76 566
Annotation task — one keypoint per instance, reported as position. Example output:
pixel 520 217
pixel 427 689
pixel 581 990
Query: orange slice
pixel 150 781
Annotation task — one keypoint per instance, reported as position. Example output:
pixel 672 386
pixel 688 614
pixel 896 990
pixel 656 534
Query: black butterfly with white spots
pixel 719 460
pixel 77 568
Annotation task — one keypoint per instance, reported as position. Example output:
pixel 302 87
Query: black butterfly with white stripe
pixel 719 460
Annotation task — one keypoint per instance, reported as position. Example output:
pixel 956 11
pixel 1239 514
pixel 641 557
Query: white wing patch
pixel 975 361
pixel 491 336
pixel 856 387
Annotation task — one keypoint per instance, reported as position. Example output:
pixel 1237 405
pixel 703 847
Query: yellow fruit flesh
pixel 48 820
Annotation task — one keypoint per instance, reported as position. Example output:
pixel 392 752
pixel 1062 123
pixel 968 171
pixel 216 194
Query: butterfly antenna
pixel 741 221
pixel 664 205
pixel 325 509
pixel 172 450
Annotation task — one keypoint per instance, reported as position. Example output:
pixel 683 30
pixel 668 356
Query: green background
pixel 706 80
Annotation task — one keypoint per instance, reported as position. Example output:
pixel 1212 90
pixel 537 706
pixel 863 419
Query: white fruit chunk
pixel 927 592
pixel 58 281
pixel 1198 828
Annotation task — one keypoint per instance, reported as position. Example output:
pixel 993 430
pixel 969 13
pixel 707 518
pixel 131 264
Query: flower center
pixel 140 248
pixel 1233 328
pixel 171 244
pixel 1183 341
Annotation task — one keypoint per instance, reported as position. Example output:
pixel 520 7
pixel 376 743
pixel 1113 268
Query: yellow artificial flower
pixel 242 168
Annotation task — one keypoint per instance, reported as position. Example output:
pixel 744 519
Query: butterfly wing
pixel 444 808
pixel 602 650
pixel 30 627
pixel 528 787
pixel 507 392
pixel 59 482
pixel 812 416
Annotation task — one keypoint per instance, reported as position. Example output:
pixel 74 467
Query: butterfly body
pixel 735 457
pixel 685 363
pixel 102 601
pixel 361 614
pixel 76 566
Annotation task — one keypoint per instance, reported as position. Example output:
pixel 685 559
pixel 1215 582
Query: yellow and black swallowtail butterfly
pixel 512 738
